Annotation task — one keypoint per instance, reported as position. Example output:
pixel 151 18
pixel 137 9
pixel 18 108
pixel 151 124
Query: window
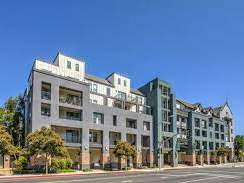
pixel 197 132
pixel 131 123
pixel 119 81
pixel 68 64
pixel 211 146
pixel 216 127
pixel 204 133
pixel 108 91
pixel 114 120
pixel 222 137
pixel 210 124
pixel 146 126
pixel 222 128
pixel 217 146
pixel 98 118
pixel 125 83
pixel 72 136
pixel 204 124
pixel 216 135
pixel 46 91
pixel 211 134
pixel 93 137
pixel 231 131
pixel 94 101
pixel 95 88
pixel 77 67
pixel 45 109
pixel 197 122
pixel 121 95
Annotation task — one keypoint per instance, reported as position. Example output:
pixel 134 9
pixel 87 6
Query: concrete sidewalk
pixel 97 172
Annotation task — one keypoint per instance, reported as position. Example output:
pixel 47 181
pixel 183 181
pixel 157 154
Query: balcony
pixel 70 114
pixel 69 96
pixel 72 100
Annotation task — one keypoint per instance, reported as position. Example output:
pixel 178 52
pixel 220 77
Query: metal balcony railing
pixel 71 118
pixel 73 100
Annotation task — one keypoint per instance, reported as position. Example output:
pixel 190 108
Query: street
pixel 198 175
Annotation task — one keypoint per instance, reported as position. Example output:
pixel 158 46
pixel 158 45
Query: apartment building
pixel 91 114
pixel 210 128
pixel 187 133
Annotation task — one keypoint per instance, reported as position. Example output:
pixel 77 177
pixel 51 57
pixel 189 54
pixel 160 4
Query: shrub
pixel 61 164
pixel 142 167
pixel 87 170
pixel 21 163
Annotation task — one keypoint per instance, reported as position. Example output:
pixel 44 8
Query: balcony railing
pixel 72 140
pixel 73 100
pixel 46 95
pixel 71 118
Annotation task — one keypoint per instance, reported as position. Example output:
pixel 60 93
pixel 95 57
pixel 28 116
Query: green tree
pixel 124 150
pixel 239 144
pixel 12 116
pixel 6 146
pixel 223 151
pixel 48 143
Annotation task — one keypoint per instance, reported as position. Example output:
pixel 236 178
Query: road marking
pixel 127 181
pixel 210 178
pixel 101 178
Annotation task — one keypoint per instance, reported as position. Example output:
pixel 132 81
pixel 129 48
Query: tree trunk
pixel 46 164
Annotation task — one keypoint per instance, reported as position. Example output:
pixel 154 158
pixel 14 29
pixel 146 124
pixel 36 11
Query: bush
pixel 61 164
pixel 87 170
pixel 143 167
pixel 66 171
pixel 21 163
pixel 42 169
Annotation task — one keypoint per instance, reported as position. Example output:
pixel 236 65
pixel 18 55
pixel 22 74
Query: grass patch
pixel 66 171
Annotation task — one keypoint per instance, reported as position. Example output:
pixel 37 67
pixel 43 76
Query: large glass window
pixel 72 136
pixel 77 67
pixel 93 136
pixel 45 109
pixel 98 118
pixel 68 64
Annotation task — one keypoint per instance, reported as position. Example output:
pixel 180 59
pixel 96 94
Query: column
pixel 121 161
pixel 6 162
pixel 174 161
pixel 105 156
pixel 207 156
pixel 219 159
pixel 138 159
pixel 191 159
pixel 85 154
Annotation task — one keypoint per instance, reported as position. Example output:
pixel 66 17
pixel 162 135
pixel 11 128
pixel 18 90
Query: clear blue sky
pixel 196 45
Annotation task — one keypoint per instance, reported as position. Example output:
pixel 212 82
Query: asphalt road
pixel 206 175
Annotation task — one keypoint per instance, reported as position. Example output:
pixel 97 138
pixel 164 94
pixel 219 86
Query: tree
pixel 6 146
pixel 124 150
pixel 223 151
pixel 48 143
pixel 12 116
pixel 239 144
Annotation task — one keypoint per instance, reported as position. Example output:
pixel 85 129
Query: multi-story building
pixel 162 101
pixel 91 114
pixel 209 128
pixel 190 133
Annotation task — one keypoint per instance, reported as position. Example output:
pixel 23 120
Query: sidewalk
pixel 96 172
